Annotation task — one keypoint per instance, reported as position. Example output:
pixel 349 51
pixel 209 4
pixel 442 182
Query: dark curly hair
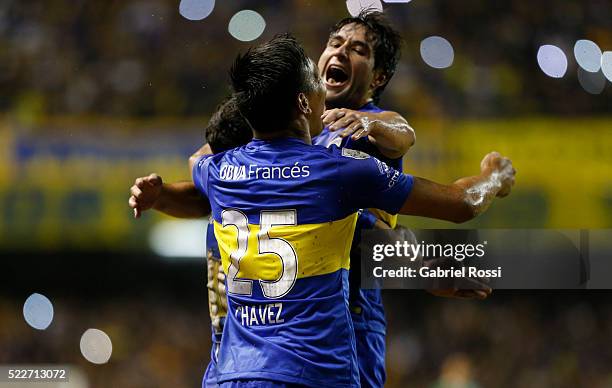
pixel 384 39
pixel 227 129
pixel 267 79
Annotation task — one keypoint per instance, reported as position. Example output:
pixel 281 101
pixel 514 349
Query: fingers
pixel 151 180
pixel 137 197
pixel 472 294
pixel 353 127
pixel 154 179
pixel 343 122
pixel 363 132
pixel 133 203
pixel 332 115
pixel 136 191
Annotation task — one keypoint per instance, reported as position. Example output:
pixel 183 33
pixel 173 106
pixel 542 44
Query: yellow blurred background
pixel 64 182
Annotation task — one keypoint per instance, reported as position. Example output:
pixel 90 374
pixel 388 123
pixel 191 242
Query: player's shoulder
pixel 340 153
pixel 371 107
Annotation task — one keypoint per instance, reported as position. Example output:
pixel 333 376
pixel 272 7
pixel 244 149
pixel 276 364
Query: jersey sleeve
pixel 371 183
pixel 200 174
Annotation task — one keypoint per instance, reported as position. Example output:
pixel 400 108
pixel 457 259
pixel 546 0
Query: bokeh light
pixel 588 55
pixel 354 7
pixel 593 83
pixel 38 311
pixel 552 61
pixel 606 65
pixel 196 9
pixel 246 25
pixel 437 52
pixel 96 346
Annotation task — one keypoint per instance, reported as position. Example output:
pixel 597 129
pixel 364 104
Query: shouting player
pixel 285 250
pixel 358 62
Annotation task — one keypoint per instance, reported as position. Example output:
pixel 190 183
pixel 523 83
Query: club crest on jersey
pixel 354 154
pixel 383 168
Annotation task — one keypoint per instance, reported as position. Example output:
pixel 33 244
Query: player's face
pixel 347 67
pixel 316 101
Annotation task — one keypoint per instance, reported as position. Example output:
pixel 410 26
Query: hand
pixel 461 294
pixel 458 288
pixel 500 168
pixel 144 193
pixel 351 122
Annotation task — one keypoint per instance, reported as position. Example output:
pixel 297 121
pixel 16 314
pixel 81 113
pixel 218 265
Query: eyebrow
pixel 337 36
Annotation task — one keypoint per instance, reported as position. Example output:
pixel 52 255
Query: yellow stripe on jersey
pixel 320 248
pixel 390 219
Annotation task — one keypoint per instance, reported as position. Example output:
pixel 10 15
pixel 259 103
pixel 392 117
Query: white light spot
pixel 196 9
pixel 184 239
pixel 606 64
pixel 246 25
pixel 437 52
pixel 96 346
pixel 588 55
pixel 552 61
pixel 593 83
pixel 38 311
pixel 356 6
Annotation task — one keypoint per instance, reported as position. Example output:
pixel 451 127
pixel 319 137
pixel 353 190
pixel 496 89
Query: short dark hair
pixel 385 40
pixel 267 79
pixel 226 128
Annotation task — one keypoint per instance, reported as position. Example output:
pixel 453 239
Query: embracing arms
pixel 467 197
pixel 177 199
pixel 387 130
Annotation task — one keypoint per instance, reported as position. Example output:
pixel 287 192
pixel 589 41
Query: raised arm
pixel 467 197
pixel 177 199
pixel 387 130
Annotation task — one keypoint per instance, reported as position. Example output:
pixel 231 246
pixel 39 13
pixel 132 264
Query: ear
pixel 303 104
pixel 378 80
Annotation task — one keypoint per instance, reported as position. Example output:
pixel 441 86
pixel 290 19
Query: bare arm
pixel 204 150
pixel 182 200
pixel 389 131
pixel 464 199
pixel 178 199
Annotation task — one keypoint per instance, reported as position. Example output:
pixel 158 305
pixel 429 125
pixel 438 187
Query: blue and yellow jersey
pixel 328 138
pixel 366 305
pixel 284 216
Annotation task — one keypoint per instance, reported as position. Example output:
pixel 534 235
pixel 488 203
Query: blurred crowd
pixel 156 342
pixel 511 340
pixel 142 58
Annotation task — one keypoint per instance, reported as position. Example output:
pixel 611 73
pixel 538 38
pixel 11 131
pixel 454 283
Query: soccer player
pixel 358 62
pixel 225 130
pixel 285 251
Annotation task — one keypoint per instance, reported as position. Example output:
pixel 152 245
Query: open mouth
pixel 336 76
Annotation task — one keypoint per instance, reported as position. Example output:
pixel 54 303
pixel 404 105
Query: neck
pixel 297 129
